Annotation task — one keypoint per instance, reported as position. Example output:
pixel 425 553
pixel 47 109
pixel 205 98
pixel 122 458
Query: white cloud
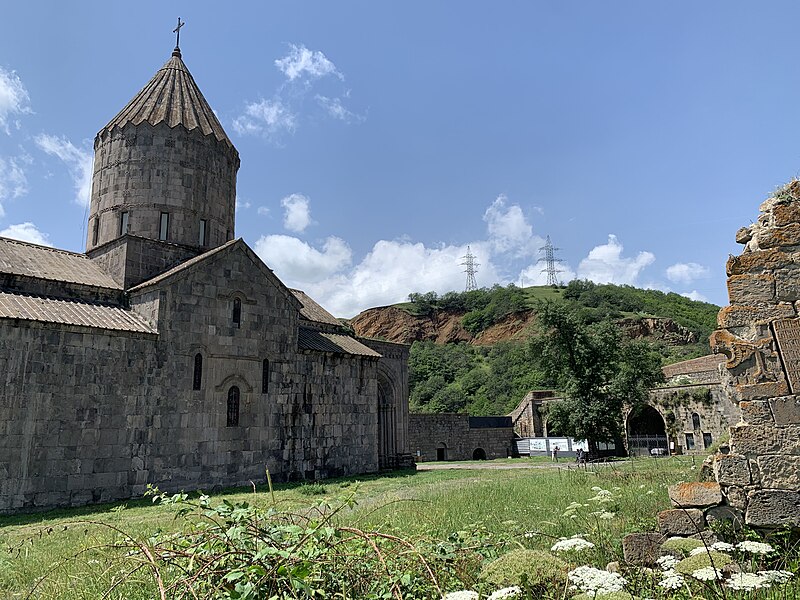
pixel 695 295
pixel 263 210
pixel 536 274
pixel 686 272
pixel 14 99
pixel 27 232
pixel 77 160
pixel 241 205
pixel 299 264
pixel 605 264
pixel 304 62
pixel 13 182
pixel 268 118
pixel 297 212
pixel 509 230
pixel 337 110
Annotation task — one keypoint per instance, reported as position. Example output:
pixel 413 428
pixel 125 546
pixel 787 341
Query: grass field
pixel 523 507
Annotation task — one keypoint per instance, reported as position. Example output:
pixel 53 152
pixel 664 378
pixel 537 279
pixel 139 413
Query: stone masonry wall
pixel 428 432
pixel 758 333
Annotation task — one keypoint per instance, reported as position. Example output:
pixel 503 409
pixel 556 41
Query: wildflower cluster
pixel 575 544
pixel 755 548
pixel 596 582
pixel 749 582
pixel 501 594
pixel 671 579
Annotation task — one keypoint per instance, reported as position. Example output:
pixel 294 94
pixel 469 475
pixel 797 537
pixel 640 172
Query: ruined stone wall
pixel 428 432
pixel 759 333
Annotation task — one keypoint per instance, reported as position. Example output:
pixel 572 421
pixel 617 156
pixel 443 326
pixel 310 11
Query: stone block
pixel 681 521
pixel 760 260
pixel 773 508
pixel 732 469
pixel 735 497
pixel 728 514
pixel 752 289
pixel 753 440
pixel 786 214
pixel 779 471
pixel 743 235
pixel 787 285
pixel 786 410
pixel 695 494
pixel 756 412
pixel 776 237
pixel 642 549
pixel 759 391
pixel 745 316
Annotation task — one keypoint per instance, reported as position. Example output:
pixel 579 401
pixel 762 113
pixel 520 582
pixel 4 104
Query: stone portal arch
pixel 441 451
pixel 479 454
pixel 647 431
pixel 387 420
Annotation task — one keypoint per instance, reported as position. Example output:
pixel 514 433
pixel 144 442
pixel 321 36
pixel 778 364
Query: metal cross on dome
pixel 177 31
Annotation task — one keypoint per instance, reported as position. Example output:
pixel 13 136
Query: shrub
pixel 681 545
pixel 530 568
pixel 700 561
pixel 312 489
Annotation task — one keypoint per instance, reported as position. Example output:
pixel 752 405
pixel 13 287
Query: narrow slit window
pixel 123 223
pixel 237 312
pixel 265 376
pixel 202 237
pixel 197 380
pixel 233 407
pixel 695 421
pixel 163 228
pixel 96 230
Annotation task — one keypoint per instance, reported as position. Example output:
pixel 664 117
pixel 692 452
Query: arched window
pixel 695 421
pixel 237 311
pixel 233 407
pixel 265 376
pixel 197 380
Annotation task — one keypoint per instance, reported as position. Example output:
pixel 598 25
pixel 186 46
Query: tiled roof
pixel 694 365
pixel 310 339
pixel 71 312
pixel 171 97
pixel 31 260
pixel 313 311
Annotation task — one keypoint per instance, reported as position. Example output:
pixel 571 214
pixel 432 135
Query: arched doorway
pixel 441 451
pixel 387 423
pixel 646 432
pixel 479 454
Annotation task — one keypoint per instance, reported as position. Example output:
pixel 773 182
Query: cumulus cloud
pixel 695 295
pixel 241 205
pixel 263 211
pixel 686 273
pixel 297 263
pixel 606 264
pixel 296 212
pixel 536 274
pixel 508 229
pixel 302 62
pixel 14 99
pixel 27 232
pixel 77 160
pixel 268 118
pixel 13 182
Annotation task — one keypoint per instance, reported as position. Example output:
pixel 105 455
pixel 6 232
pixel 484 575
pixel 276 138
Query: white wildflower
pixel 707 574
pixel 649 492
pixel 506 592
pixel 755 547
pixel 572 544
pixel 698 550
pixel 461 595
pixel 530 534
pixel 722 547
pixel 671 581
pixel 596 582
pixel 667 562
pixel 779 577
pixel 747 582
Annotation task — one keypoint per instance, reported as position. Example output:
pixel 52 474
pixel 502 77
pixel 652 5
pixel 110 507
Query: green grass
pixel 433 504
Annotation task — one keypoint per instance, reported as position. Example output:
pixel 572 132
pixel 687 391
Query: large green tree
pixel 599 372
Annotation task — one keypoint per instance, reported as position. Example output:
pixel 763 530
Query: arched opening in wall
pixel 197 378
pixel 387 423
pixel 646 432
pixel 479 454
pixel 441 451
pixel 233 407
pixel 695 421
pixel 236 317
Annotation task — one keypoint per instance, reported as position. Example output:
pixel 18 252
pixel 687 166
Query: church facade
pixel 169 353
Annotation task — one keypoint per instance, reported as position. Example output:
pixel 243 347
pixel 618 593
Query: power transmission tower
pixel 470 270
pixel 550 259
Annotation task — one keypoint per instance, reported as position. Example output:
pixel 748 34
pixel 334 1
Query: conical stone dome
pixel 164 168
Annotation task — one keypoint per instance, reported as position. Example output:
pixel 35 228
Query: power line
pixel 470 270
pixel 550 260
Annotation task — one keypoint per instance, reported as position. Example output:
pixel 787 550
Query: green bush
pixel 699 561
pixel 681 545
pixel 534 569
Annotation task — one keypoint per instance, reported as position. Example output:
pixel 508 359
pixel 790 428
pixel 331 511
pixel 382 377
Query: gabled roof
pixel 709 362
pixel 311 339
pixel 184 266
pixel 313 311
pixel 171 97
pixel 71 312
pixel 42 262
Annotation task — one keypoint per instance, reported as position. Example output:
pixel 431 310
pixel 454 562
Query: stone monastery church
pixel 169 353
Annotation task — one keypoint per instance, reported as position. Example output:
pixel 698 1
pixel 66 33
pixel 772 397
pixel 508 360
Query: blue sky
pixel 379 139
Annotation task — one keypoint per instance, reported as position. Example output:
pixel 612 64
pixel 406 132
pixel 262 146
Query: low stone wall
pixel 449 437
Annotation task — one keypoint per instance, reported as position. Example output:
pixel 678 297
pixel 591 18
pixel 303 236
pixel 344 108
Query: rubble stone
pixel 760 260
pixel 752 440
pixel 695 494
pixel 680 521
pixel 756 412
pixel 784 214
pixel 770 508
pixel 752 289
pixel 779 471
pixel 732 469
pixel 786 410
pixel 736 497
pixel 745 316
pixel 725 513
pixel 773 237
pixel 642 549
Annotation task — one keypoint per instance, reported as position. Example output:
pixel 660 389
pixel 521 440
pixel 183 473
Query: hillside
pixel 470 350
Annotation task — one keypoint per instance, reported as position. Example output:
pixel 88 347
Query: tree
pixel 599 373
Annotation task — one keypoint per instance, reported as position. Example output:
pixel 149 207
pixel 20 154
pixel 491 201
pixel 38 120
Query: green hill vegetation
pixel 492 380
